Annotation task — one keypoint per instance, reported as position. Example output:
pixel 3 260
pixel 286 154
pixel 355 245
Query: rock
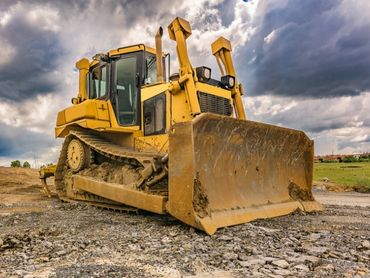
pixel 44 259
pixel 198 265
pixel 314 261
pixel 255 251
pixel 314 236
pixel 265 271
pixel 365 245
pixel 296 259
pixel 213 274
pixel 172 233
pixel 47 244
pixel 252 262
pixel 166 240
pixel 230 256
pixel 243 257
pixel 268 230
pixel 257 274
pixel 187 246
pixel 21 273
pixel 15 241
pixel 201 247
pixel 61 253
pixel 287 242
pixel 316 251
pixel 282 272
pixel 294 239
pixel 280 263
pixel 333 254
pixel 325 267
pixel 23 256
pixel 225 238
pixel 301 267
pixel 268 259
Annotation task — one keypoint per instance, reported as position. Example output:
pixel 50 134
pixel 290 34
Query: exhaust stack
pixel 158 47
pixel 83 66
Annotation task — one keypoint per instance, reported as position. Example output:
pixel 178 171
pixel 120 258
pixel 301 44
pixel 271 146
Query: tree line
pixel 17 163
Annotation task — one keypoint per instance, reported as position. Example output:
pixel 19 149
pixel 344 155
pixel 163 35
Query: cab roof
pixel 125 50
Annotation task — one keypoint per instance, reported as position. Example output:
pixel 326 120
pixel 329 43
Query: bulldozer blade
pixel 224 171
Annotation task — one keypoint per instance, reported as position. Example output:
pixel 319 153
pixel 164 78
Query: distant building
pixel 338 157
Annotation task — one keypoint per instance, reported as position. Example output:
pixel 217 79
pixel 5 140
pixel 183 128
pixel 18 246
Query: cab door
pixel 126 90
pixel 99 88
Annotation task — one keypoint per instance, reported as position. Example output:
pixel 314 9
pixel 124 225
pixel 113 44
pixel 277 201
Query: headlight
pixel 228 81
pixel 203 73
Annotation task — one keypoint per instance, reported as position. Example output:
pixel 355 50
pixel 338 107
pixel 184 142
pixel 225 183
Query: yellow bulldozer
pixel 177 144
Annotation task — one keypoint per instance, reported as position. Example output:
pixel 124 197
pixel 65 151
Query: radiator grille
pixel 214 104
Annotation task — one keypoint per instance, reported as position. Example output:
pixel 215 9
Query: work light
pixel 203 73
pixel 228 81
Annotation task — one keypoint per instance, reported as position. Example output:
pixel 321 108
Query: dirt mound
pixel 19 185
pixel 19 180
pixel 332 186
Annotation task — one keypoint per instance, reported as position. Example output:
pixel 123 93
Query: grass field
pixel 350 174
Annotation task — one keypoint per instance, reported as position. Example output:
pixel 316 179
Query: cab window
pixel 151 69
pixel 98 82
pixel 151 66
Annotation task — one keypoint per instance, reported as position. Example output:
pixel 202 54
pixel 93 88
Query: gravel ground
pixel 46 238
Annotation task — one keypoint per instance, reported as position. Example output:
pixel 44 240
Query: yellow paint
pixel 245 170
pixel 154 143
pixel 151 91
pixel 123 194
pixel 206 88
pixel 179 30
pixel 88 109
pixel 219 44
pixel 83 67
pixel 221 48
pixel 63 130
pixel 131 49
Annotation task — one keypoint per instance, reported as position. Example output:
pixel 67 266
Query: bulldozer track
pixel 111 207
pixel 108 149
pixel 114 151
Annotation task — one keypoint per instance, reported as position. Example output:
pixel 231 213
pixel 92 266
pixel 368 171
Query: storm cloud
pixel 15 142
pixel 309 49
pixel 30 54
pixel 304 64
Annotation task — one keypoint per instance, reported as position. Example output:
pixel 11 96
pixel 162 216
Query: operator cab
pixel 119 76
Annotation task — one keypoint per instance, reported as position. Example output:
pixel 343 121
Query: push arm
pixel 221 49
pixel 179 30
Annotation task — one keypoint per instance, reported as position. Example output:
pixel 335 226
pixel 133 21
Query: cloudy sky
pixel 304 64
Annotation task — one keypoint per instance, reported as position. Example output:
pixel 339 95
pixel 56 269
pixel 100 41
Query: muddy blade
pixel 225 172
